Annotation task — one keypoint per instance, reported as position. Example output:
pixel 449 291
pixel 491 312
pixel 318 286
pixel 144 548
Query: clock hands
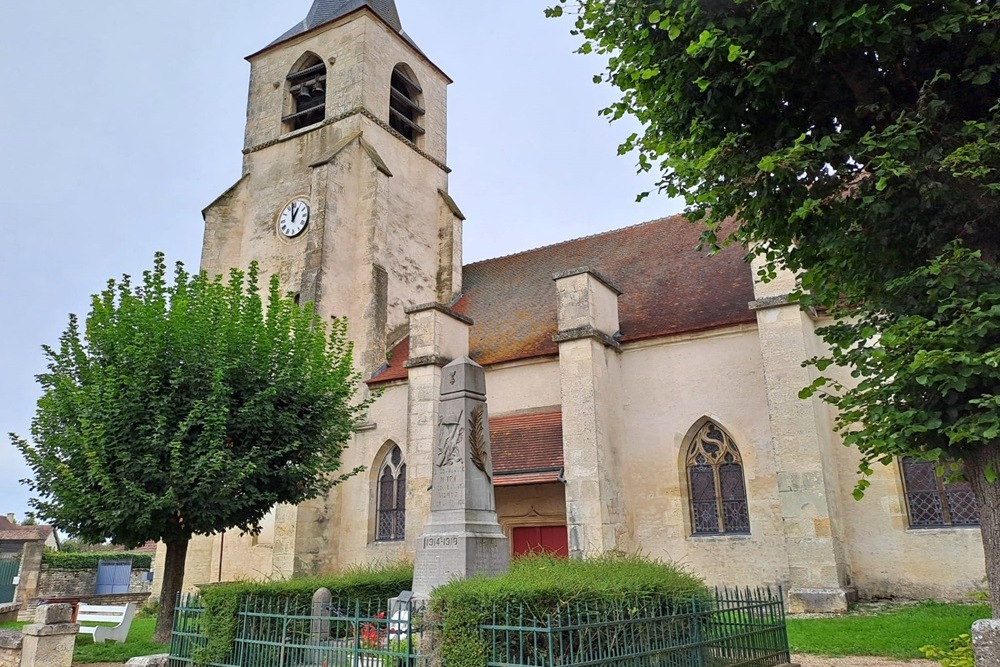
pixel 294 218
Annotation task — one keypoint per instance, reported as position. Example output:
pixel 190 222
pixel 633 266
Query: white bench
pixel 121 616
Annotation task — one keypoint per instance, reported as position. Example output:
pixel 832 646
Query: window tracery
pixel 933 503
pixel 390 492
pixel 715 479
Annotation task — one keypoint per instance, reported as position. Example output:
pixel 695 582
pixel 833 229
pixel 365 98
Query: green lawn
pixel 139 642
pixel 896 631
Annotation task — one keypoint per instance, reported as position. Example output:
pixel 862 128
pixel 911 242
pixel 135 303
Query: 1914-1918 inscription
pixel 440 542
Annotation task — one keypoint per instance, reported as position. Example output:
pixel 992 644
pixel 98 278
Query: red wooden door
pixel 535 539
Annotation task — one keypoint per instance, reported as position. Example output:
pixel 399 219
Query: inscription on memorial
pixel 440 542
pixel 448 491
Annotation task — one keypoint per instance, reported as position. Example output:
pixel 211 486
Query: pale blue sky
pixel 120 120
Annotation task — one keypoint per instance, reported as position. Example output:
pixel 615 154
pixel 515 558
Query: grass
pixel 139 642
pixel 896 631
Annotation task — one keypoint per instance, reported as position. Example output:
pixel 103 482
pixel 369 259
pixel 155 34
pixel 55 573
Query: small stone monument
pixel 462 536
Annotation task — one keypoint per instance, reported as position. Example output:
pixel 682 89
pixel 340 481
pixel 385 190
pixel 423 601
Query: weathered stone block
pixel 157 660
pixel 50 614
pixel 986 641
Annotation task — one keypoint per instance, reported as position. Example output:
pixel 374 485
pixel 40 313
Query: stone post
pixel 590 387
pixel 49 641
pixel 462 536
pixel 29 575
pixel 802 432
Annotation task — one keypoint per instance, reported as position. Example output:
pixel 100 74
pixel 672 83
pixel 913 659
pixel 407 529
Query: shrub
pixel 58 560
pixel 958 654
pixel 222 601
pixel 542 585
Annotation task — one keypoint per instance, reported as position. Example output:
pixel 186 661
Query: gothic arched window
pixel 307 89
pixel 931 502
pixel 390 492
pixel 715 480
pixel 404 103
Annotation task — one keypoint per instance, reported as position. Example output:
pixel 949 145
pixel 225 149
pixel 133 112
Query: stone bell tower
pixel 344 193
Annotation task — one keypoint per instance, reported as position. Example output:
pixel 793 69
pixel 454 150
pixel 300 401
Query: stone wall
pixel 10 648
pixel 39 581
pixel 75 583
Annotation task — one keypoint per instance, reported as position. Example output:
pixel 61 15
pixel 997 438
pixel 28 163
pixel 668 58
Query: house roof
pixel 527 449
pixel 668 288
pixel 13 533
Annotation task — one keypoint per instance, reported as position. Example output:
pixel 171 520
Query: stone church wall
pixel 671 388
pixel 890 559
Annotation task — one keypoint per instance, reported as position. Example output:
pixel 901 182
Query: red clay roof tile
pixel 668 288
pixel 527 449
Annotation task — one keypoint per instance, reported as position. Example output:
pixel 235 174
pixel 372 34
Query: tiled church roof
pixel 527 449
pixel 668 287
pixel 324 11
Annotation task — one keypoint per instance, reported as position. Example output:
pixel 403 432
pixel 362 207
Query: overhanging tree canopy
pixel 858 144
pixel 188 408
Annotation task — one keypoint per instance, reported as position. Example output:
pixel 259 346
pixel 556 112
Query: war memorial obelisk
pixel 462 536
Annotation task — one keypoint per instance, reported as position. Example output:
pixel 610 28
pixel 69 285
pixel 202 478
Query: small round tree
pixel 188 408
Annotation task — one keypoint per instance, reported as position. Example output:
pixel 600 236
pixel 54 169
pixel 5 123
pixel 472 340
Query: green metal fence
pixel 277 632
pixel 733 629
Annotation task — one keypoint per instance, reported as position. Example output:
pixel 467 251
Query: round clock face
pixel 294 218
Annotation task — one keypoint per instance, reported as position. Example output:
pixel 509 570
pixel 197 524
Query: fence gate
pixel 8 570
pixel 113 576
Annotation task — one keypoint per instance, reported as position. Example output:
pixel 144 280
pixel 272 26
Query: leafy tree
pixel 187 409
pixel 857 143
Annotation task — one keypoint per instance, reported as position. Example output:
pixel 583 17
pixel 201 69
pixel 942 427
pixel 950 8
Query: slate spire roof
pixel 324 11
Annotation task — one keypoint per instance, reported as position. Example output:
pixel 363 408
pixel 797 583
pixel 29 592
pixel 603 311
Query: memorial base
pixel 452 556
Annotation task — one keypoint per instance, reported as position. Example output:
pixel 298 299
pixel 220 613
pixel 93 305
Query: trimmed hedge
pixel 59 560
pixel 544 584
pixel 222 601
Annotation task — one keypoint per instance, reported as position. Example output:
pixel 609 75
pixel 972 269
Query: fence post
pixel 49 641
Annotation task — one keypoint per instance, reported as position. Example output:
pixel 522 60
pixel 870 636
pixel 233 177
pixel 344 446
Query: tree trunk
pixel 173 579
pixel 987 495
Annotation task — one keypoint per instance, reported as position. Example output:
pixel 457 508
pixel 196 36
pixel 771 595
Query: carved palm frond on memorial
pixel 477 438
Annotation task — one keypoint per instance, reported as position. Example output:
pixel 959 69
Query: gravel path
pixel 859 661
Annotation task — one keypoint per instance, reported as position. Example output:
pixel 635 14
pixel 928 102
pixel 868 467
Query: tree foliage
pixel 188 408
pixel 857 143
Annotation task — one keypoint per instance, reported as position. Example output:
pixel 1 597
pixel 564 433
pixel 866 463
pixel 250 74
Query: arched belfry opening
pixel 405 108
pixel 306 86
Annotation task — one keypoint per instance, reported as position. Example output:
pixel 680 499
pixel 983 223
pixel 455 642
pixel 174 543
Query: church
pixel 643 396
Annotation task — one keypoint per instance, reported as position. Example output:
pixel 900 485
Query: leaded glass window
pixel 715 480
pixel 931 502
pixel 391 498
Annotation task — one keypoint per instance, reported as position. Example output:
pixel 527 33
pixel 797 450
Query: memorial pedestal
pixel 462 537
